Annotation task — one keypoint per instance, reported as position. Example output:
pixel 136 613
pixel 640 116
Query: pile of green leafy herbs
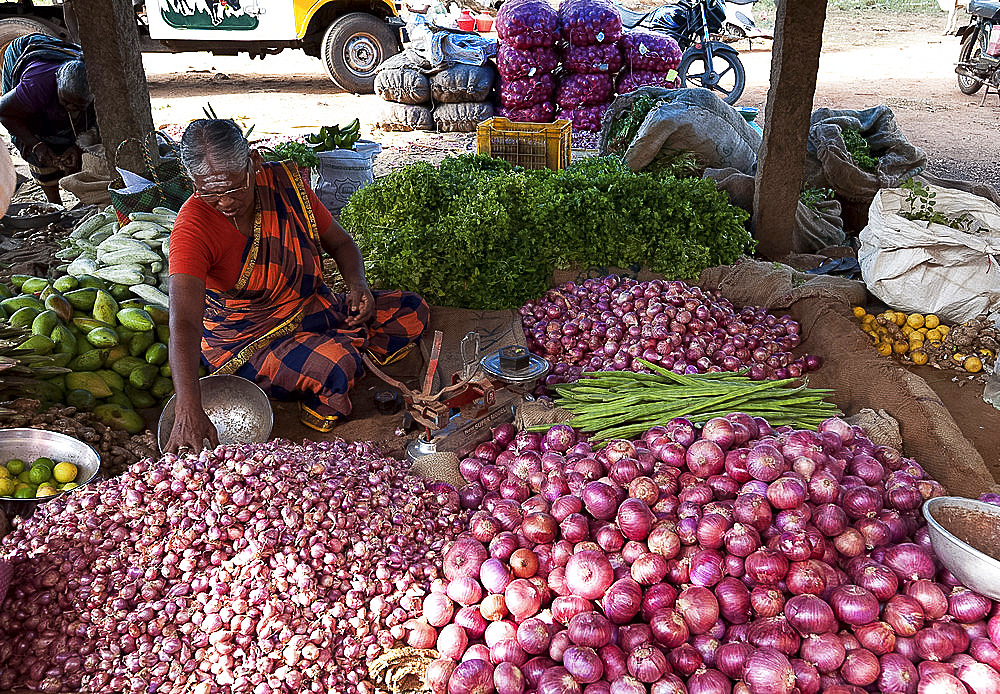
pixel 479 233
pixel 860 150
pixel 812 197
pixel 292 150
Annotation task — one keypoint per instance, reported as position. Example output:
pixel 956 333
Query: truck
pixel 350 37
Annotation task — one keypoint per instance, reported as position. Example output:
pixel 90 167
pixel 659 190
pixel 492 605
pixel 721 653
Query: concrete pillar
pixel 798 39
pixel 110 43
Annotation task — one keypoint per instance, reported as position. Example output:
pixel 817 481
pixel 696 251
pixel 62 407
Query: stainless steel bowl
pixel 237 407
pixel 974 569
pixel 29 444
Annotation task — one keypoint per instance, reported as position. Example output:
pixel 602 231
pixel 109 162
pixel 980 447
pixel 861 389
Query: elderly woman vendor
pixel 247 293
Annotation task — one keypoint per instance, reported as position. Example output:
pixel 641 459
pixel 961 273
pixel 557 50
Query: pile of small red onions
pixel 605 324
pixel 731 559
pixel 248 569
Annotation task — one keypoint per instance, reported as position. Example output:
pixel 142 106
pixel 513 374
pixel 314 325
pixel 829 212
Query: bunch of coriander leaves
pixel 479 233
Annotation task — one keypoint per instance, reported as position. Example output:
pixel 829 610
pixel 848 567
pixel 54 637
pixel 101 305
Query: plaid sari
pixel 282 327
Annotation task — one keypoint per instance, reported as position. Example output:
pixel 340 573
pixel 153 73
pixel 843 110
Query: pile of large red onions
pixel 250 569
pixel 734 558
pixel 606 324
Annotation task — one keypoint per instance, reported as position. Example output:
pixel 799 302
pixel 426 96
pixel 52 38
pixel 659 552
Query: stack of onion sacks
pixel 734 558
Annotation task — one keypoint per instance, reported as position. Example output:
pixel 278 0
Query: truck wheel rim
pixel 361 54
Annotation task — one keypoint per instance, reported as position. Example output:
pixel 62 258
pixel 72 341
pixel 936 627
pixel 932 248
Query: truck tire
pixel 16 27
pixel 354 45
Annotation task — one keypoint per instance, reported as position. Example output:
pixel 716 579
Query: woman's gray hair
pixel 214 141
pixel 71 80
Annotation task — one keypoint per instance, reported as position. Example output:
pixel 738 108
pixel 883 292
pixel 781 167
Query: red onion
pixel 705 458
pixel 524 563
pixel 806 578
pixel 904 614
pixel 472 677
pixel 707 568
pixel 774 632
pixel 861 667
pixel 767 601
pixel 534 636
pixel 494 576
pixel 669 684
pixel 699 608
pixel 600 500
pixel 565 606
pixel 877 637
pixel 465 590
pixel 879 580
pixel 765 463
pixel 766 567
pixel 493 607
pixel 985 651
pixel 731 658
pixel 539 528
pixel 809 614
pixel 708 681
pixel 768 671
pixel 649 569
pixel 786 493
pixel 622 601
pixel 711 531
pixel 979 678
pixel 419 635
pixel 472 620
pixel 850 543
pixel 522 599
pixel 854 605
pixel 647 664
pixel 628 685
pixel 583 663
pixel 632 636
pixel 898 675
pixel 558 680
pixel 508 679
pixel 438 673
pixel 941 683
pixel 968 607
pixel 669 628
pixel 438 609
pixel 734 600
pixel 590 629
pixel 615 661
pixel 807 677
pixel 452 641
pixel 464 558
pixel 933 644
pixel 589 574
pixel 910 562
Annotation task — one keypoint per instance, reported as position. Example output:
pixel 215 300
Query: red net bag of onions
pixel 515 63
pixel 629 80
pixel 264 568
pixel 590 22
pixel 585 117
pixel 646 50
pixel 527 92
pixel 597 59
pixel 585 90
pixel 729 558
pixel 527 24
pixel 539 113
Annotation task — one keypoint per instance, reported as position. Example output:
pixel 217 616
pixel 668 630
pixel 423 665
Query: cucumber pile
pixel 133 256
pixel 105 319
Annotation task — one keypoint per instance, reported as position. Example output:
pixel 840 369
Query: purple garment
pixel 37 92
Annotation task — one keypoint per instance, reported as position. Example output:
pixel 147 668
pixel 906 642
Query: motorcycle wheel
pixel 725 76
pixel 970 52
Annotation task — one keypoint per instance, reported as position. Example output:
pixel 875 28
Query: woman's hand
pixel 191 427
pixel 360 304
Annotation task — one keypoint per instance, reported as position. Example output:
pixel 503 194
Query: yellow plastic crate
pixel 529 145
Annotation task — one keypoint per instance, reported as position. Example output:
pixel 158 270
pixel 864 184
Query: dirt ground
pixel 869 58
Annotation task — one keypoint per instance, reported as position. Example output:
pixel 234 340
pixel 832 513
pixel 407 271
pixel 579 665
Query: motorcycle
pixel 705 63
pixel 979 56
pixel 739 23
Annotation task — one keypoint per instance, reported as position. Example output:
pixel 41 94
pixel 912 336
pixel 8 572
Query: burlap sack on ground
pixel 461 118
pixel 777 286
pixel 442 467
pixel 829 165
pixel 814 229
pixel 403 79
pixel 860 377
pixel 401 670
pixel 880 426
pixel 533 413
pixel 463 84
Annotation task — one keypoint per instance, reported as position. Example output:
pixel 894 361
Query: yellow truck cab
pixel 350 37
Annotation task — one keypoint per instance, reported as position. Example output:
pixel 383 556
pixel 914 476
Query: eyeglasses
pixel 233 192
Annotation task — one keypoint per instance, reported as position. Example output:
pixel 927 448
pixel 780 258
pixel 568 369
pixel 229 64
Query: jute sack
pixel 401 670
pixel 881 427
pixel 442 467
pixel 538 413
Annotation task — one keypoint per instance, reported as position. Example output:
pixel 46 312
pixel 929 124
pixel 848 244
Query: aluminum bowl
pixel 237 407
pixel 29 444
pixel 976 570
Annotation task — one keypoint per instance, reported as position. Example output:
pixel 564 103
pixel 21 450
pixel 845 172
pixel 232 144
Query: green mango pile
pixel 114 346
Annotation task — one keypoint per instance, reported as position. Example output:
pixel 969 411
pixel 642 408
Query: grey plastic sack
pixel 687 120
pixel 404 118
pixel 461 118
pixel 463 84
pixel 829 164
pixel 403 85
